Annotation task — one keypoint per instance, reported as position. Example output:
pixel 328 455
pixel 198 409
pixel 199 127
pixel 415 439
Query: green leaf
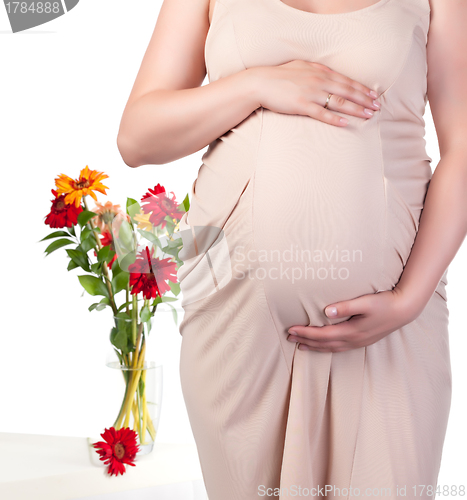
pixel 126 261
pixel 174 313
pixel 96 268
pixel 150 237
pixel 57 244
pixel 145 314
pixel 186 203
pixel 171 251
pixel 132 207
pixel 79 257
pixel 71 230
pixel 85 216
pixel 170 226
pixel 124 305
pixel 110 256
pixel 72 265
pixel 175 243
pixel 85 233
pixel 169 299
pixel 88 244
pixel 174 287
pixel 126 236
pixel 103 253
pixel 120 282
pixel 121 334
pixel 120 339
pixel 116 269
pixel 105 302
pixel 93 285
pixel 123 315
pixel 100 305
pixel 156 301
pixel 56 234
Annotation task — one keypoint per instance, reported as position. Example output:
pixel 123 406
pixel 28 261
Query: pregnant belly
pixel 309 213
pixel 327 225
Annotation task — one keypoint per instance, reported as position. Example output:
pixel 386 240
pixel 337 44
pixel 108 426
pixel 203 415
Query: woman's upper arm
pixel 174 58
pixel 447 72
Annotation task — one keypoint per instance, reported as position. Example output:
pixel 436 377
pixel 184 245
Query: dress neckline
pixel 363 10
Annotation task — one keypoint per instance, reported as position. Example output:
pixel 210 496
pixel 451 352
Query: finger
pixel 340 331
pixel 347 90
pixel 345 308
pixel 344 103
pixel 344 79
pixel 321 114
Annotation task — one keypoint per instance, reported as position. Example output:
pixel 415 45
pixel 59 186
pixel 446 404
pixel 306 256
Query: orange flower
pixel 88 182
pixel 106 214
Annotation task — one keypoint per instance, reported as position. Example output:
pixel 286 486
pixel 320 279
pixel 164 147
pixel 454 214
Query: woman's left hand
pixel 373 317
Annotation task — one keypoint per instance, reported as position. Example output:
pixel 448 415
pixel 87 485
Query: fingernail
pixel 368 112
pixel 344 121
pixel 331 311
pixel 293 332
pixel 303 347
pixel 376 104
pixel 373 93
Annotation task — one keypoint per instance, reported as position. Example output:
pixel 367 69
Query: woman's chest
pixel 371 45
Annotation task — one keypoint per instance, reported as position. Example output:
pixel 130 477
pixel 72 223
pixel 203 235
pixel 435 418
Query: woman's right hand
pixel 302 88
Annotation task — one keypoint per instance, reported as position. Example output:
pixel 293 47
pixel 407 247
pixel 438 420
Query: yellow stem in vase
pixel 151 429
pixel 134 385
pixel 137 348
pixel 136 419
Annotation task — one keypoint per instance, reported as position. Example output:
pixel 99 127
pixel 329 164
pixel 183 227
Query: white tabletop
pixel 42 467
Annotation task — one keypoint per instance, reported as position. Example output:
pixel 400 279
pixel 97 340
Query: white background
pixel 63 88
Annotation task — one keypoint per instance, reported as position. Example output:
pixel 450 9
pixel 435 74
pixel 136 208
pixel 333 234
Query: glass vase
pixel 137 382
pixel 141 380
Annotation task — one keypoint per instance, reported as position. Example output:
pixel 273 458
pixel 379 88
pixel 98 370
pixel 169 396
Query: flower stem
pixel 137 345
pixel 105 269
pixel 120 413
pixel 134 319
pixel 131 392
pixel 127 298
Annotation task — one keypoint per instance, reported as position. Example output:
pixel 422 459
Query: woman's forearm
pixel 442 229
pixel 165 125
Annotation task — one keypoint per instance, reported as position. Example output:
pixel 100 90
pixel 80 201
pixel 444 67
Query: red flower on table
pixel 118 449
pixel 157 202
pixel 149 274
pixel 106 240
pixel 62 214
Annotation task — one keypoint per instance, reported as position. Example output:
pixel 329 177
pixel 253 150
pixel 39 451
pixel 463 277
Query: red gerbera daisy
pixel 106 240
pixel 118 449
pixel 62 214
pixel 150 274
pixel 157 202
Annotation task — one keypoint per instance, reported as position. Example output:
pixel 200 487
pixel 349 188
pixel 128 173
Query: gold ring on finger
pixel 327 101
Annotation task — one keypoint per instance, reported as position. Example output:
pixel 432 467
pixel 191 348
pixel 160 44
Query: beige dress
pixel 289 214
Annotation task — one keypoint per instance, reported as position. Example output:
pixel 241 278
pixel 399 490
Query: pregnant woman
pixel 315 352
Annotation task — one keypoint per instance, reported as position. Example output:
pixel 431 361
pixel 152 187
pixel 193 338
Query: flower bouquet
pixel 136 259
